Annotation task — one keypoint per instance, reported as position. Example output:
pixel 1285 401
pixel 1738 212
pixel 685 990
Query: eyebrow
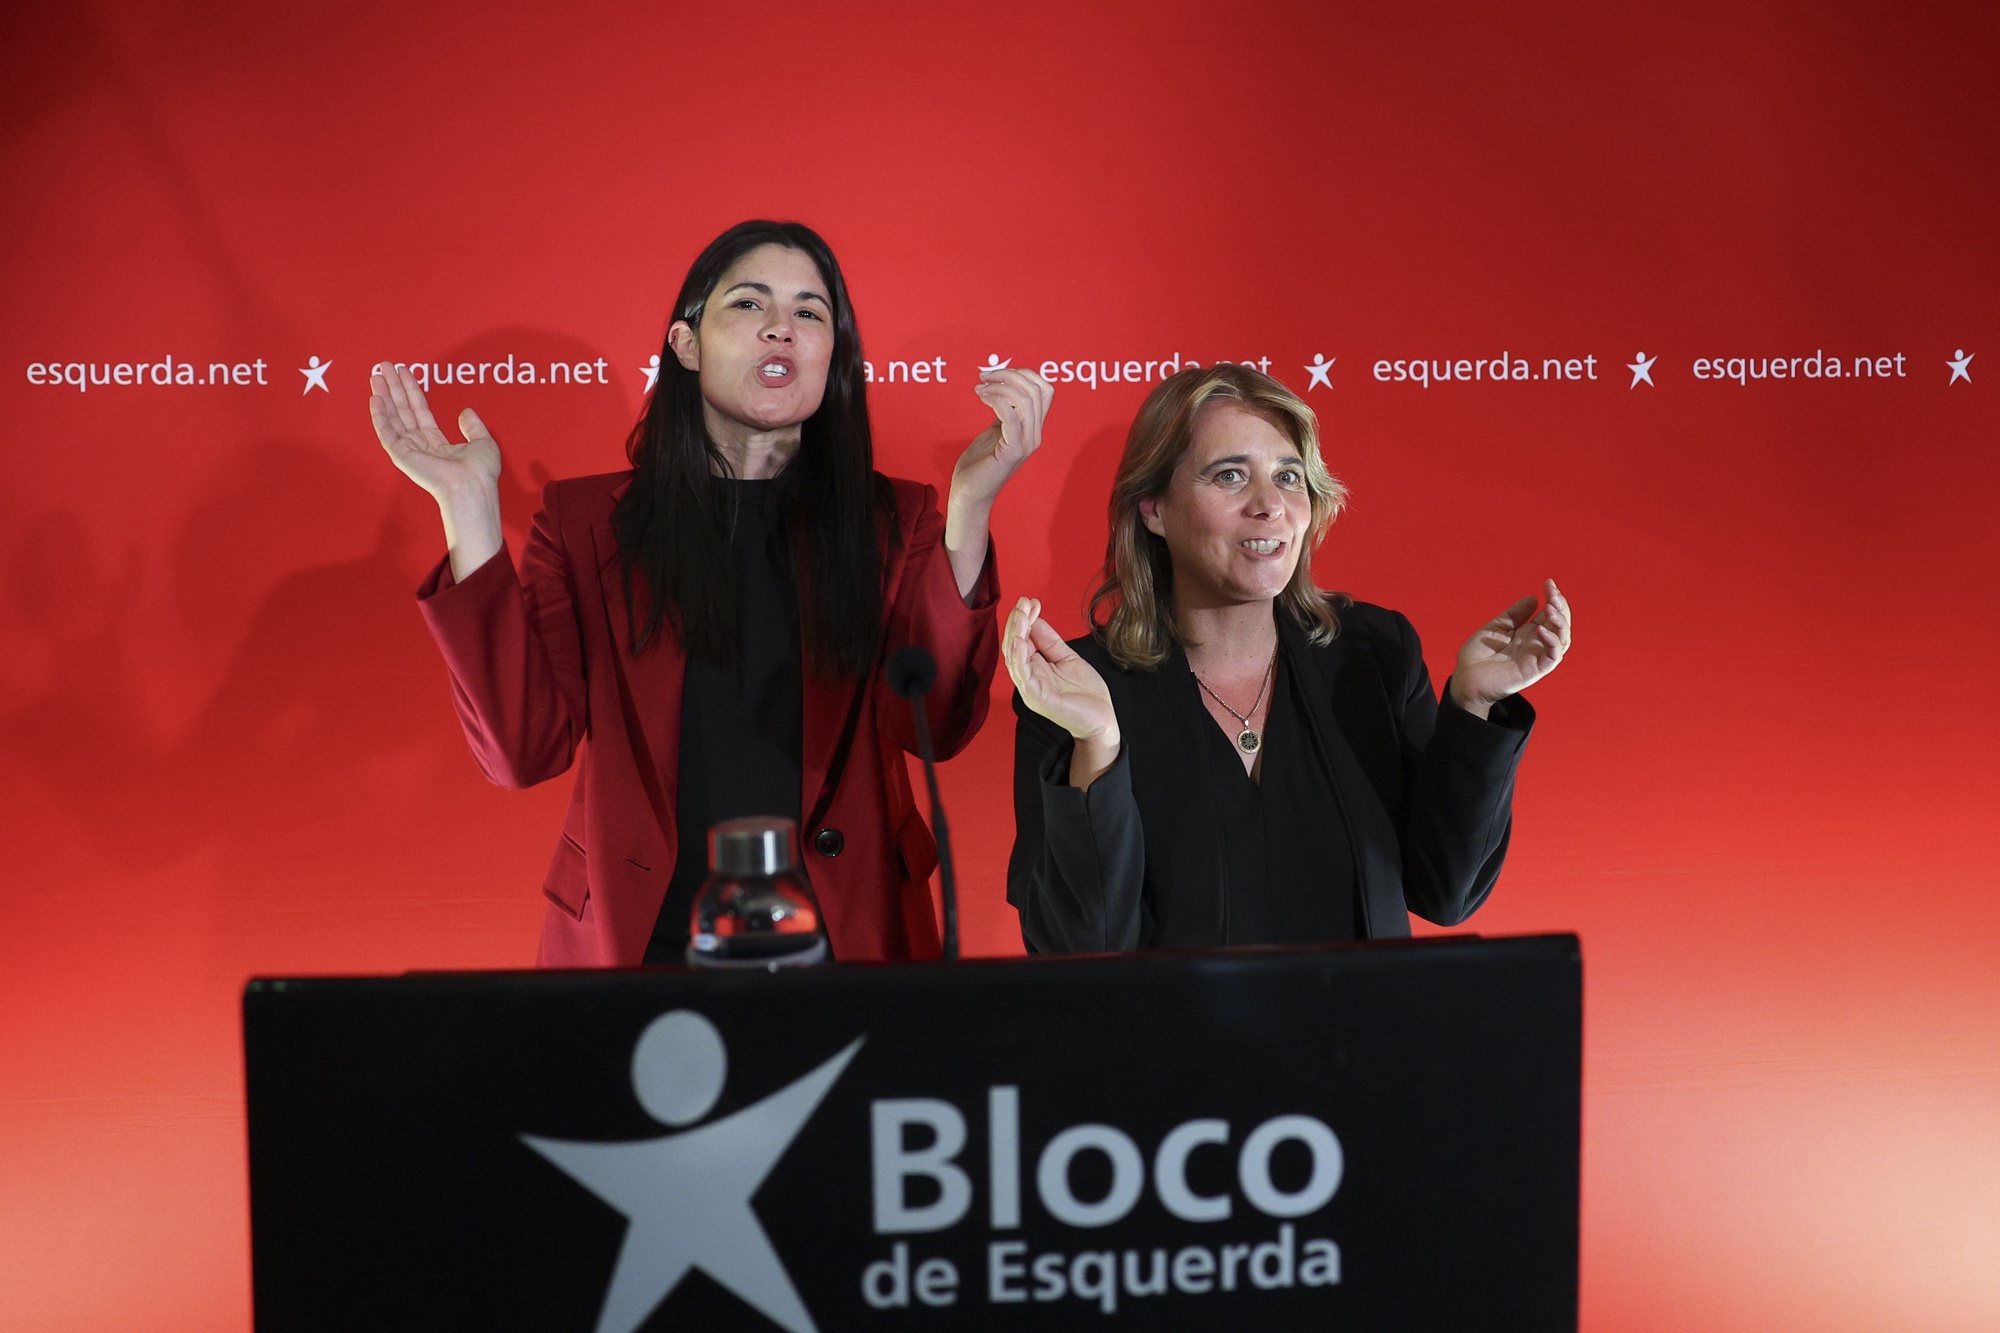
pixel 807 295
pixel 1238 460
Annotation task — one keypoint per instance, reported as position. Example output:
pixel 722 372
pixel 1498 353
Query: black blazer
pixel 1134 862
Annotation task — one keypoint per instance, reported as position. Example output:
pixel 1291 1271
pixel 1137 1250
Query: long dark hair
pixel 672 527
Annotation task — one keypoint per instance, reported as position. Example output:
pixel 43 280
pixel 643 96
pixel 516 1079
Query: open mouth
pixel 1262 545
pixel 777 370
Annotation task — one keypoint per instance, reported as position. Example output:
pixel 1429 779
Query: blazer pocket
pixel 567 883
pixel 915 847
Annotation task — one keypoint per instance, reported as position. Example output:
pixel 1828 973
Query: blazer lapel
pixel 832 712
pixel 1184 843
pixel 833 705
pixel 652 728
pixel 1346 671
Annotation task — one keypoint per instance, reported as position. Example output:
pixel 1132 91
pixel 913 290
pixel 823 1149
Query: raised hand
pixel 409 433
pixel 1512 651
pixel 464 479
pixel 1054 682
pixel 1020 403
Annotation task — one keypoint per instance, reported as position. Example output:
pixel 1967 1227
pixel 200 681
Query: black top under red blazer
pixel 541 666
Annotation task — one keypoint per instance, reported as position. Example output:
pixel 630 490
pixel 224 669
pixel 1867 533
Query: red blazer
pixel 540 665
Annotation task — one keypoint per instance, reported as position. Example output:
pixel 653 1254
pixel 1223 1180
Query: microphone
pixel 912 671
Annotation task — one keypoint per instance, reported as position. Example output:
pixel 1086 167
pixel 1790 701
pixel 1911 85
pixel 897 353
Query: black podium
pixel 1377 1136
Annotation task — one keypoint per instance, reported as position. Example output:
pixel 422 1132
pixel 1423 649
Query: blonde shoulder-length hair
pixel 1132 610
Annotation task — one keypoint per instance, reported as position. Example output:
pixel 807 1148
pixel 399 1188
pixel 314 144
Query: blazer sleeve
pixel 962 635
pixel 1459 812
pixel 511 644
pixel 1078 869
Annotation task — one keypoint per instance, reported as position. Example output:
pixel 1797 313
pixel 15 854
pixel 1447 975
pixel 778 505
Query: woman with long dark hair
pixel 1234 756
pixel 711 626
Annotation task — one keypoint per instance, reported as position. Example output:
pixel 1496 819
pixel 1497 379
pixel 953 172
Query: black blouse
pixel 1287 872
pixel 742 723
pixel 1375 803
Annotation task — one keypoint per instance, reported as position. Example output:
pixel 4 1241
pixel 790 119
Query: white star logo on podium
pixel 315 372
pixel 1320 369
pixel 687 1195
pixel 652 369
pixel 1961 367
pixel 993 363
pixel 1641 367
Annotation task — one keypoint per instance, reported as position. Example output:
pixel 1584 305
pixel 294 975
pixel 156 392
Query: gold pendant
pixel 1248 741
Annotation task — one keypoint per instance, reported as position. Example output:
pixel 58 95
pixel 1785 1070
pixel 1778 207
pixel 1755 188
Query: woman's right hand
pixel 1059 685
pixel 464 479
pixel 409 433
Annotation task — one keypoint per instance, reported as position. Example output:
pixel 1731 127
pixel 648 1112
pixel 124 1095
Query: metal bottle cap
pixel 752 845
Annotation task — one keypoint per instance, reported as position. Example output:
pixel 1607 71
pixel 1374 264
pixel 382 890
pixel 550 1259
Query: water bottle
pixel 755 909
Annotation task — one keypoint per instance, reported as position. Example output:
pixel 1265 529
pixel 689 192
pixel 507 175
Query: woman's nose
pixel 778 327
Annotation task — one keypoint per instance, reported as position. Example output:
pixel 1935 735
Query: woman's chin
pixel 744 429
pixel 763 418
pixel 1266 582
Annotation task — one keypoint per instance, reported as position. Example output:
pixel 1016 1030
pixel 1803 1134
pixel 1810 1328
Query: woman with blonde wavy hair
pixel 1233 756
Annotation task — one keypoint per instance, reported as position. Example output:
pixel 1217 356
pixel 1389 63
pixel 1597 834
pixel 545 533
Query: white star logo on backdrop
pixel 315 372
pixel 687 1195
pixel 1641 367
pixel 1321 367
pixel 1961 367
pixel 652 369
pixel 993 363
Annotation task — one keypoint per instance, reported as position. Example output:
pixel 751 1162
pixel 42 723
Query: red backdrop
pixel 1762 788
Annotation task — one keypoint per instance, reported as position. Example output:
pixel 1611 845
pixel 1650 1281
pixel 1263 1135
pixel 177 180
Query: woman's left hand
pixel 1512 651
pixel 1020 403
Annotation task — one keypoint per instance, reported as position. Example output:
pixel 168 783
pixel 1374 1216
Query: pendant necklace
pixel 1247 740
